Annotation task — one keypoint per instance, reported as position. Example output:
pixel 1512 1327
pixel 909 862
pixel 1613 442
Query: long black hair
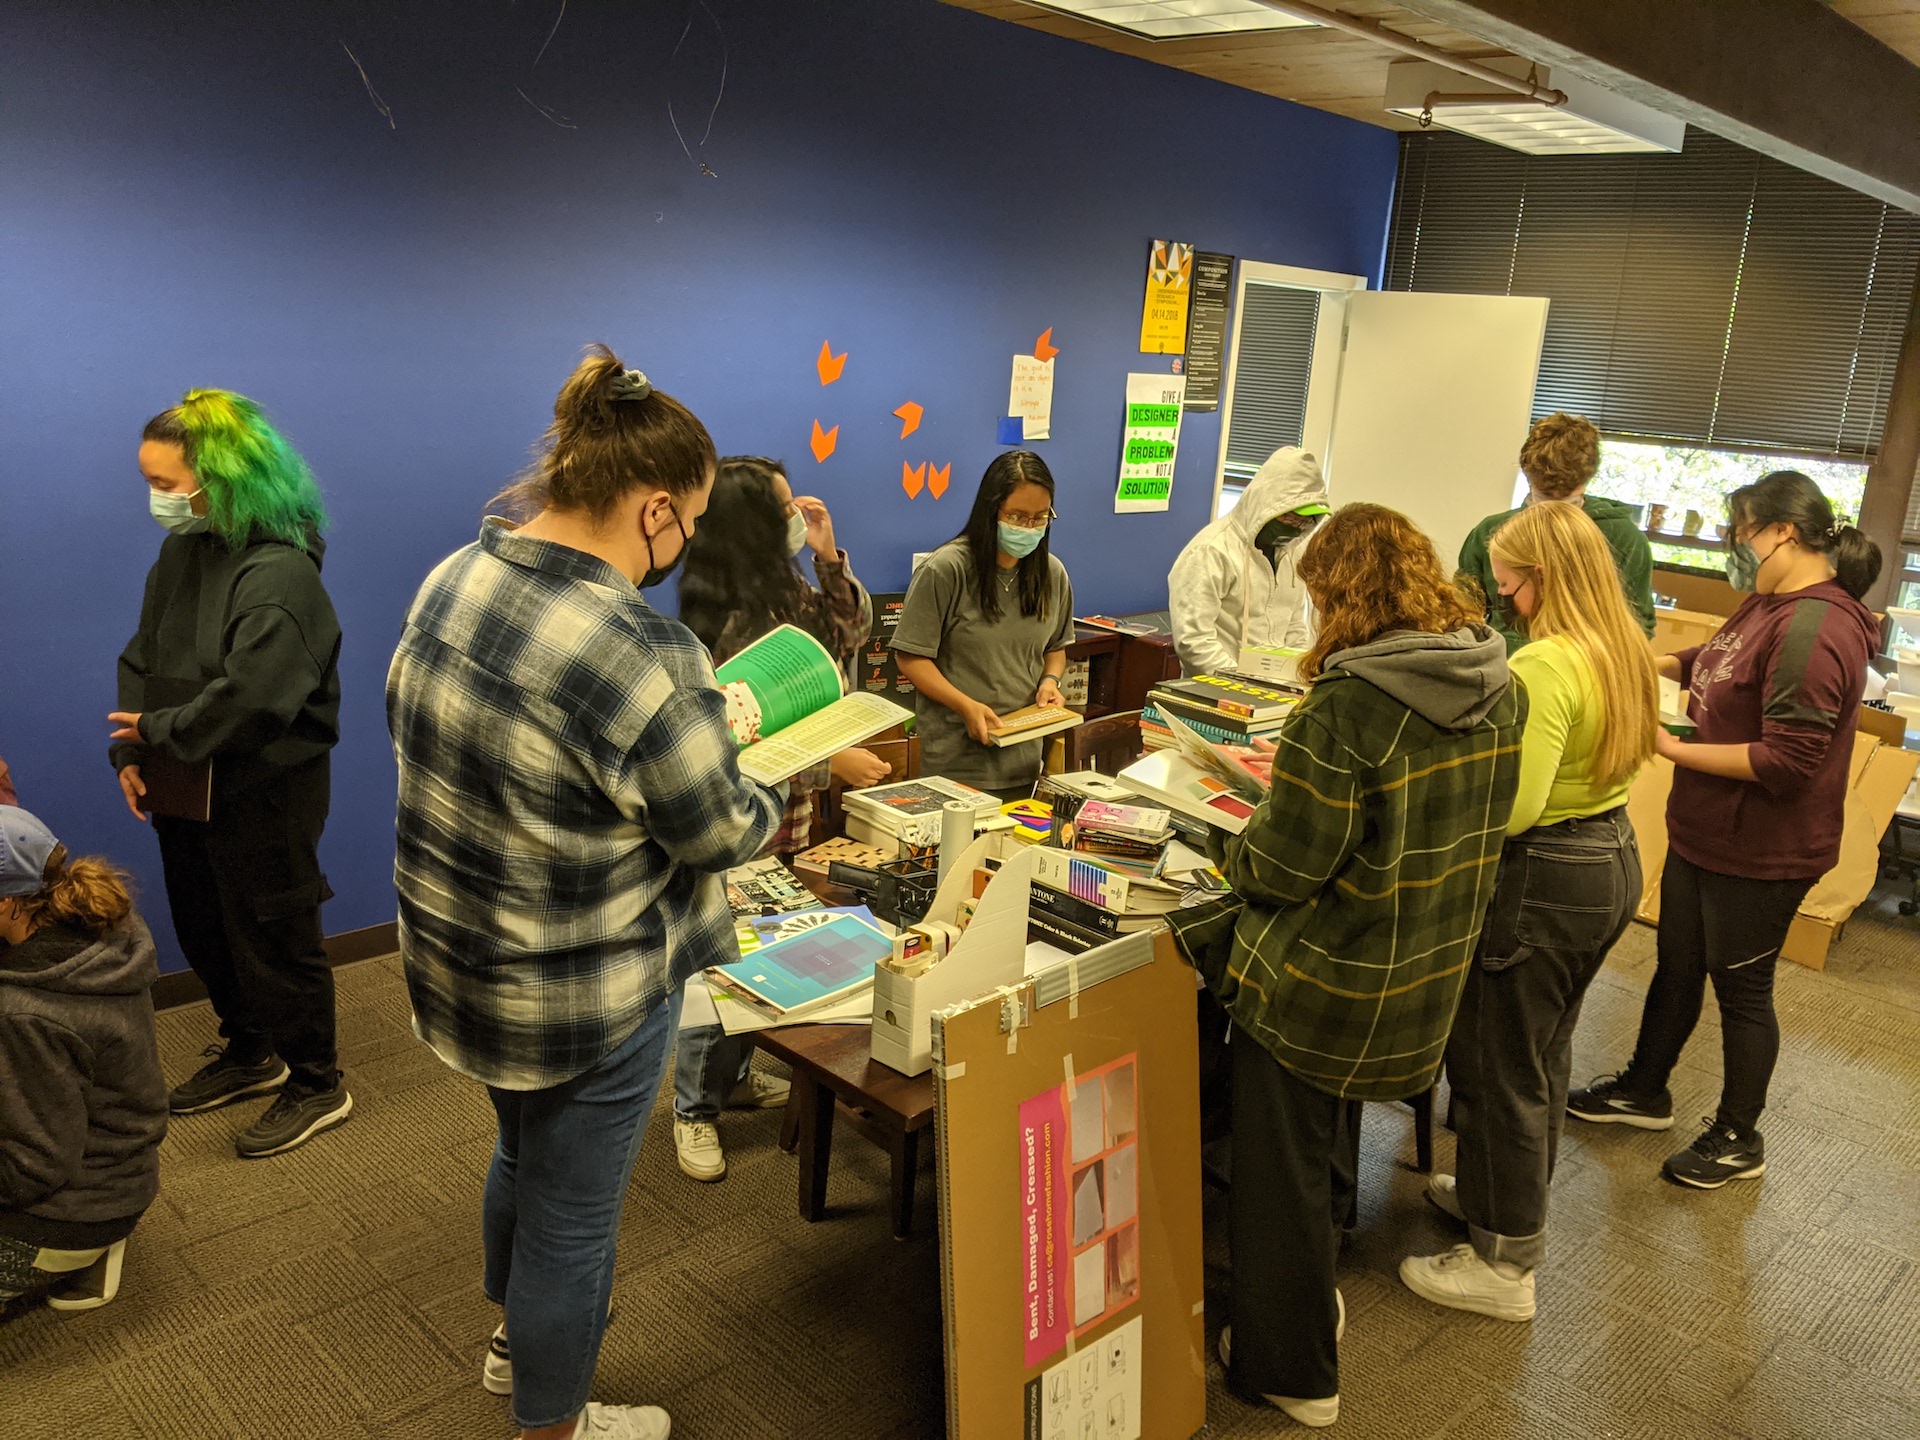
pixel 737 567
pixel 1790 498
pixel 1008 472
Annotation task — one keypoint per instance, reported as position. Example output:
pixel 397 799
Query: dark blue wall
pixel 196 194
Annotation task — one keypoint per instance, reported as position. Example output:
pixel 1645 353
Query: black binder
pixel 175 788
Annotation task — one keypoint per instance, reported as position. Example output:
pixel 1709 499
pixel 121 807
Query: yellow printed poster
pixel 1163 320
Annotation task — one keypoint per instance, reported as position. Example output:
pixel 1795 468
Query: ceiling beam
pixel 1788 78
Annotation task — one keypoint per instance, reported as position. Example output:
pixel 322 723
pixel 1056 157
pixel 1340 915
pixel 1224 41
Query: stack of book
pixel 1079 900
pixel 1131 839
pixel 909 811
pixel 1223 709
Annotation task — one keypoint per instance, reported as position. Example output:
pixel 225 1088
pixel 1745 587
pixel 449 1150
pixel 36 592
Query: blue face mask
pixel 1018 541
pixel 175 512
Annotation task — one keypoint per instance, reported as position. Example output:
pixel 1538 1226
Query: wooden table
pixel 834 1065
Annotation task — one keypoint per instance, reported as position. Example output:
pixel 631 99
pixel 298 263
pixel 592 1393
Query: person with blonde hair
pixel 1560 458
pixel 1568 884
pixel 83 1106
pixel 1359 887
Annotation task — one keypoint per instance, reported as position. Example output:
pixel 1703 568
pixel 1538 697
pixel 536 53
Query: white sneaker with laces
pixel 759 1092
pixel 1444 1193
pixel 1461 1280
pixel 623 1422
pixel 496 1374
pixel 1315 1414
pixel 697 1143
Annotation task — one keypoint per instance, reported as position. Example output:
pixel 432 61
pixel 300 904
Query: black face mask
pixel 1280 532
pixel 1509 613
pixel 656 574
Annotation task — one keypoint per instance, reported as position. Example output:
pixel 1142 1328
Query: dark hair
pixel 604 445
pixel 1786 497
pixel 738 573
pixel 1009 471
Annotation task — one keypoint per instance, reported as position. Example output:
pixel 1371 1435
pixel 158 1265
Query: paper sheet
pixel 845 723
pixel 1163 316
pixel 1031 396
pixel 1093 1394
pixel 1149 441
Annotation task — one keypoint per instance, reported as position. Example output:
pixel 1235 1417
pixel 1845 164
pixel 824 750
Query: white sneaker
pixel 94 1286
pixel 623 1422
pixel 496 1374
pixel 1444 1192
pixel 759 1092
pixel 697 1143
pixel 1461 1280
pixel 1316 1414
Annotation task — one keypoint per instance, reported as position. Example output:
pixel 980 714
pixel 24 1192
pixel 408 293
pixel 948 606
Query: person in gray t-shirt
pixel 985 630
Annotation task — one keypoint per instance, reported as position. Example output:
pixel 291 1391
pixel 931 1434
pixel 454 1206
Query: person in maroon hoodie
pixel 1754 819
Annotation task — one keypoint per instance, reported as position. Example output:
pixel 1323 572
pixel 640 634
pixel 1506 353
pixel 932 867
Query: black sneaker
pixel 1606 1103
pixel 295 1117
pixel 222 1081
pixel 1719 1155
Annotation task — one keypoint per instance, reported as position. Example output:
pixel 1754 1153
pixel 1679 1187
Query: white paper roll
pixel 956 833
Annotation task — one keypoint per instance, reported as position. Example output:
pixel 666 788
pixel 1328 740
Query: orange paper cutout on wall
pixel 829 364
pixel 937 478
pixel 1043 349
pixel 824 441
pixel 909 414
pixel 913 480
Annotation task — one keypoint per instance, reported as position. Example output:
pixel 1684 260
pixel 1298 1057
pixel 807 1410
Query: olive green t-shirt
pixel 996 662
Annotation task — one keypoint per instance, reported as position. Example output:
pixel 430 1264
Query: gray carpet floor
pixel 334 1292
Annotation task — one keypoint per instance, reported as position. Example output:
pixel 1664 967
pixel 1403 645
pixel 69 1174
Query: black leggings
pixel 1730 929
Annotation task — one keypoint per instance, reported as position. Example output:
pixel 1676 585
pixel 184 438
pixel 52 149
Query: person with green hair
pixel 235 667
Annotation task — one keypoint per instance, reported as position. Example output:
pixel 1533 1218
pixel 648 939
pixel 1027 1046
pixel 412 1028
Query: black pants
pixel 1295 1153
pixel 1564 894
pixel 1730 929
pixel 245 888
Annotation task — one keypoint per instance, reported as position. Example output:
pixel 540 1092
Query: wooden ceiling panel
pixel 1894 23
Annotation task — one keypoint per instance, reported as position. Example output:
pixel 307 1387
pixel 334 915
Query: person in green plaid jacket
pixel 1359 888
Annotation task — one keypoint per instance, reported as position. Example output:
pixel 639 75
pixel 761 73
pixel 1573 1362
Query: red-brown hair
pixel 1561 454
pixel 1370 570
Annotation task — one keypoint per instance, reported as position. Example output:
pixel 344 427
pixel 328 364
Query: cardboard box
pixel 1878 777
pixel 1682 629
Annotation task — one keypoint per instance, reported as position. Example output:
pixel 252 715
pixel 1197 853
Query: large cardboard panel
pixel 1675 630
pixel 987 1081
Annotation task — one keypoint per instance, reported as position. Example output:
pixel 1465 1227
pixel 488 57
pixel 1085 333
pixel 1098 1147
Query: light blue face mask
pixel 175 512
pixel 1018 541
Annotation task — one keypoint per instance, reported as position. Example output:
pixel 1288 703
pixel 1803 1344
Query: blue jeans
pixel 707 1065
pixel 552 1214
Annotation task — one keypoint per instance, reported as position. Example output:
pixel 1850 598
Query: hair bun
pixel 629 385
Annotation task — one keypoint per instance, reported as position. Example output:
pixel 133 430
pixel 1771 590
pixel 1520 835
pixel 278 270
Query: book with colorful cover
pixel 1238 728
pixel 787 708
pixel 1034 722
pixel 1170 777
pixel 811 969
pixel 1087 879
pixel 1234 696
pixel 1128 822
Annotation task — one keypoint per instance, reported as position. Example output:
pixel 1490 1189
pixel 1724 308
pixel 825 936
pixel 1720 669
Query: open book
pixel 786 707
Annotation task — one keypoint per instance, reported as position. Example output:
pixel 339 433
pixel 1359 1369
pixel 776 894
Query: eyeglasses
pixel 1029 522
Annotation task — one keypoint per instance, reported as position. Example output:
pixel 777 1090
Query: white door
pixel 1435 396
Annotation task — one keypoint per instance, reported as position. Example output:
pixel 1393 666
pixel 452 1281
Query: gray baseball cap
pixel 26 849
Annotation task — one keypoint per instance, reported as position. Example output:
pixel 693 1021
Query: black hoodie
pixel 83 1106
pixel 254 631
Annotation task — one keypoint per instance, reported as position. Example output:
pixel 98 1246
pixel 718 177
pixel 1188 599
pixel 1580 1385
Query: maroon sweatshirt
pixel 1784 677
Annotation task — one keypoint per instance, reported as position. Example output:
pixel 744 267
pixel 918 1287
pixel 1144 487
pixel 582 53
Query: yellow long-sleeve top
pixel 1562 734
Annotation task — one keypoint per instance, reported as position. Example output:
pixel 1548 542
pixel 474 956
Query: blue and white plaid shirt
pixel 570 797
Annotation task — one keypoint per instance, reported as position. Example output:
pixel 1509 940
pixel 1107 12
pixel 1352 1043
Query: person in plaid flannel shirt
pixel 1359 888
pixel 570 802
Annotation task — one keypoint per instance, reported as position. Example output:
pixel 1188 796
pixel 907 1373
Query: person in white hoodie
pixel 1235 583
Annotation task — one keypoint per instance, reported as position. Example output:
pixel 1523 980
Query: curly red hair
pixel 1371 570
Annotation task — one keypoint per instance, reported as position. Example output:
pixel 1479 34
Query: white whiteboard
pixel 1436 394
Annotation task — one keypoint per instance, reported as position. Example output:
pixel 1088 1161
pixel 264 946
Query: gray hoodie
pixel 1453 680
pixel 83 1105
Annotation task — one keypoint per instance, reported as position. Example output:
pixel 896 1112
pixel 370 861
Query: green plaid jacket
pixel 1359 887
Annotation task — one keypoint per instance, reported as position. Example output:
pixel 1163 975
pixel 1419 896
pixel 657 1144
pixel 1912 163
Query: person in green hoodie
pixel 1559 459
pixel 236 665
pixel 82 1105
pixel 1359 889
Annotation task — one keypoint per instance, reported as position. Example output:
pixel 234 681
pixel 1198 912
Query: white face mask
pixel 175 512
pixel 796 533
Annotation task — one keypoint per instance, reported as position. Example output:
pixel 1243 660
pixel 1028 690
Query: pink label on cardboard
pixel 1045 1290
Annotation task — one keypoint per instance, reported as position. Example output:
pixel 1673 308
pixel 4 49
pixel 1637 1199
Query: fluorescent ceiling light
pixel 1176 19
pixel 1592 122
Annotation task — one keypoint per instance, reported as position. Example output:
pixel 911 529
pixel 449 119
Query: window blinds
pixel 1271 370
pixel 1714 297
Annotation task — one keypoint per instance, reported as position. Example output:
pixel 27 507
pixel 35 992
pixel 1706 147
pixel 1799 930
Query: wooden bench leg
pixel 906 1167
pixel 815 1146
pixel 790 1118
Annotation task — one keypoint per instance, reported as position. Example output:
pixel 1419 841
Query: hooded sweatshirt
pixel 1783 677
pixel 1361 881
pixel 1632 557
pixel 253 630
pixel 83 1106
pixel 1223 592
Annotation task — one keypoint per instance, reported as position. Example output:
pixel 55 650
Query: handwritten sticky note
pixel 1030 396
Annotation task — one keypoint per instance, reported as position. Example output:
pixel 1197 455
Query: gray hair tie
pixel 629 385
